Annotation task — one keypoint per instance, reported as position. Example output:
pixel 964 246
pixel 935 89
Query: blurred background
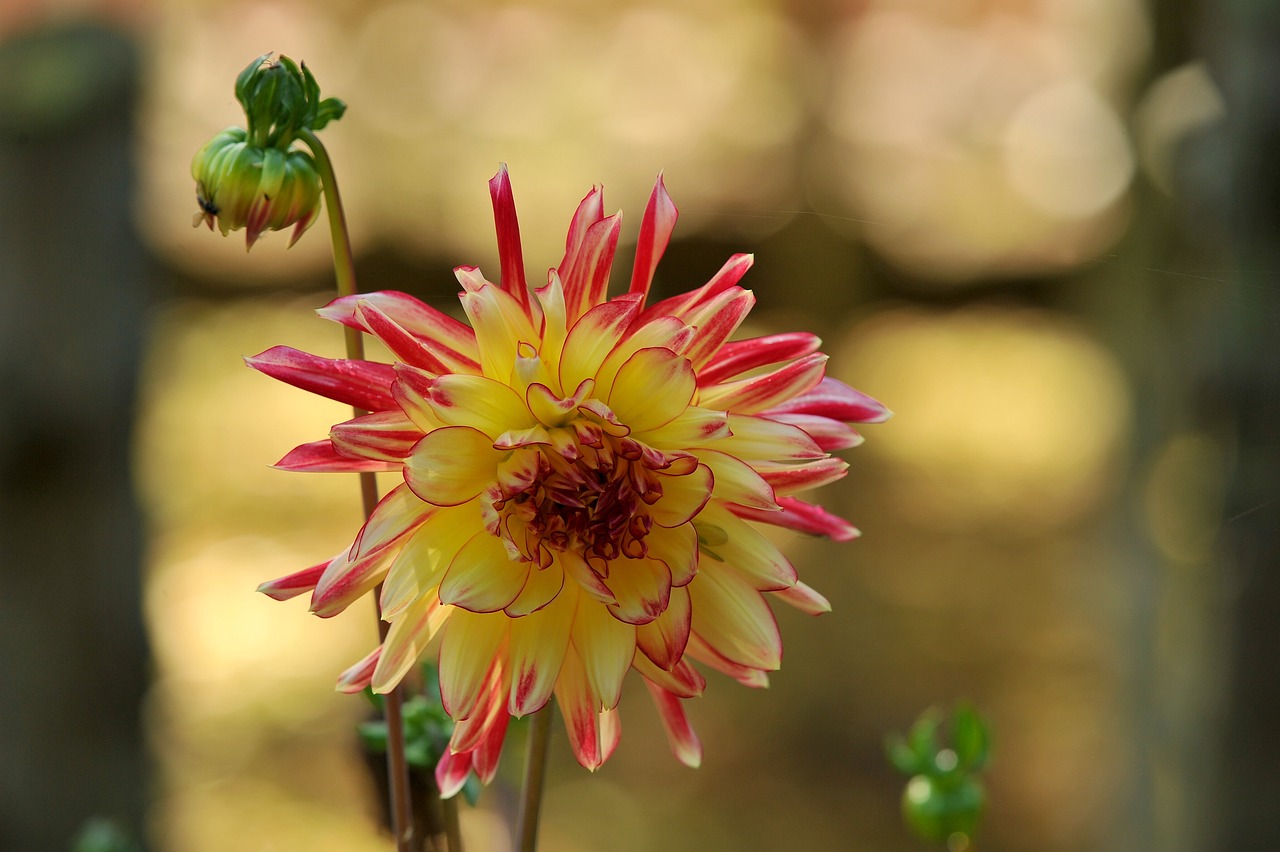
pixel 1042 231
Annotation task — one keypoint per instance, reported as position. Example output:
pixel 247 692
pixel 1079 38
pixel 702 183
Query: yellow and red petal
pixel 802 517
pixel 694 427
pixel 606 647
pixel 760 438
pixel 501 323
pixel 297 583
pixel 732 618
pixel 538 645
pixel 805 599
pixel 344 580
pixel 677 547
pixel 386 436
pixel 737 482
pixel 789 479
pixel 652 388
pixel 479 402
pixel 740 356
pixel 586 273
pixel 699 650
pixel 450 341
pixel 592 337
pixel 680 735
pixel 758 393
pixel 451 465
pixel 321 457
pixel 641 588
pixel 830 435
pixel 581 710
pixel 682 496
pixel 482 576
pixel 469 643
pixel 406 640
pixel 836 400
pixel 664 639
pixel 362 384
pixel 748 552
pixel 542 588
pixel 510 256
pixel 659 221
pixel 398 512
pixel 359 676
pixel 683 680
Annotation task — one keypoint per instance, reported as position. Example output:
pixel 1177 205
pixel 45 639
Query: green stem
pixel 535 773
pixel 452 828
pixel 344 270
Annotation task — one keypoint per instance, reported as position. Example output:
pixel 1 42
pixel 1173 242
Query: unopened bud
pixel 241 185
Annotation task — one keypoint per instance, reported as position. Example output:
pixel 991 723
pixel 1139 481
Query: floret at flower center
pixel 588 492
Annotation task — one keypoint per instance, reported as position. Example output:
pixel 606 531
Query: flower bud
pixel 242 185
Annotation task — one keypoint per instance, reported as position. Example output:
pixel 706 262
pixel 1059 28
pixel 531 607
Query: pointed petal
pixel 470 643
pixel 834 399
pixel 508 227
pixel 695 427
pixel 678 306
pixel 737 482
pixel 397 513
pixel 360 676
pixel 450 341
pixel 740 356
pixel 406 640
pixel 501 323
pixel 734 620
pixel 802 517
pixel 321 457
pixel 748 552
pixel 788 479
pixel 586 577
pixel 292 585
pixel 761 438
pixel 386 436
pixel 586 276
pixel 683 680
pixel 538 645
pixel 451 773
pixel 581 710
pixel 754 395
pixel 655 232
pixel 425 556
pixel 715 322
pixel 606 647
pixel 684 742
pixel 344 580
pixel 805 599
pixel 362 384
pixel 746 675
pixel 829 435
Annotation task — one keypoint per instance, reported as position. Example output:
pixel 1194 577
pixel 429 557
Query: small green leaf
pixel 969 737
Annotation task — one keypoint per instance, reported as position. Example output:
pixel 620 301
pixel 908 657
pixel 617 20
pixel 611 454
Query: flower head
pixel 583 482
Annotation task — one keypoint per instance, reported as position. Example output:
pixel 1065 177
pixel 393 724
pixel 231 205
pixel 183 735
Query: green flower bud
pixel 242 185
pixel 255 179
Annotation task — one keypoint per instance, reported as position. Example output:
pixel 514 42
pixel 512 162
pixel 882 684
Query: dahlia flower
pixel 584 481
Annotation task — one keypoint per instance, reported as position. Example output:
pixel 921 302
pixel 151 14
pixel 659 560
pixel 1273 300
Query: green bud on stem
pixel 253 178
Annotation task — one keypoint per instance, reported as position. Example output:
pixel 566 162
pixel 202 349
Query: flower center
pixel 592 499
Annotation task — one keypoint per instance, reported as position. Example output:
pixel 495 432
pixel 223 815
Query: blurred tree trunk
pixel 1243 36
pixel 73 294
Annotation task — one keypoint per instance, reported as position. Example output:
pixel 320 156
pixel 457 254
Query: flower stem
pixel 535 773
pixel 344 270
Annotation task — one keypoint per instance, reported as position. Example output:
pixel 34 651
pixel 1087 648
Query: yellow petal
pixel 652 388
pixel 451 465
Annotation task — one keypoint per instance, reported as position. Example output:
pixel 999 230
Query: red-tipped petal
pixel 510 254
pixel 805 599
pixel 321 457
pixel 790 479
pixel 586 278
pixel 834 399
pixel 363 384
pixel 802 517
pixel 358 677
pixel 738 357
pixel 684 742
pixel 758 393
pixel 386 436
pixel 292 585
pixel 449 340
pixel 659 221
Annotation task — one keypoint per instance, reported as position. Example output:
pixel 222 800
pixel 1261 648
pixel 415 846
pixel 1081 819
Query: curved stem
pixel 535 773
pixel 344 270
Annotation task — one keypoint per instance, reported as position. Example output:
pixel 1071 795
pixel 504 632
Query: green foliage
pixel 427 728
pixel 101 835
pixel 280 99
pixel 944 798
